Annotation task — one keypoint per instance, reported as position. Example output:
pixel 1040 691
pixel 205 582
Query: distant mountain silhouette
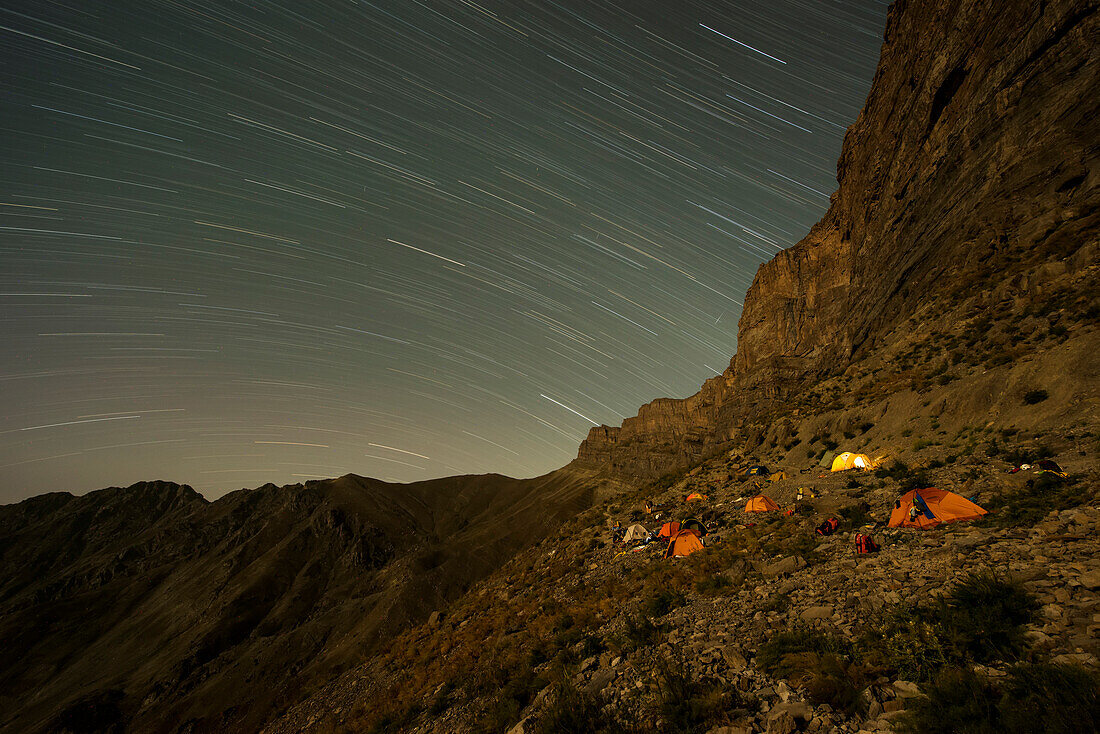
pixel 151 609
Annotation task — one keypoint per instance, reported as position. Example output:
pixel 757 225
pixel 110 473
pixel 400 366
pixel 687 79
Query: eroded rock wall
pixel 973 160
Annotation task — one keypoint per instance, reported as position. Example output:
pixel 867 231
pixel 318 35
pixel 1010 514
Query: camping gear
pixel 927 508
pixel 759 470
pixel 761 503
pixel 827 459
pixel 828 527
pixel 777 477
pixel 635 533
pixel 848 460
pixel 695 497
pixel 669 529
pixel 865 544
pixel 684 543
pixel 694 526
pixel 1048 465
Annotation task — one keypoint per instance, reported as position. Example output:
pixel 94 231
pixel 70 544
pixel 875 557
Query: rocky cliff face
pixel 150 609
pixel 973 162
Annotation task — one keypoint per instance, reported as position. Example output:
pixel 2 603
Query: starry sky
pixel 276 241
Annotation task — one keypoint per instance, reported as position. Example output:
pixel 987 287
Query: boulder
pixel 819 612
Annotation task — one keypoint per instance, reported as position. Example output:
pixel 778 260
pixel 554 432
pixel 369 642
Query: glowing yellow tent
pixel 848 460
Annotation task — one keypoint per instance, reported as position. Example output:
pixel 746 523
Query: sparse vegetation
pixel 1055 699
pixel 693 705
pixel 982 620
pixel 575 712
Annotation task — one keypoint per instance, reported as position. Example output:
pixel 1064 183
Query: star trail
pixel 268 242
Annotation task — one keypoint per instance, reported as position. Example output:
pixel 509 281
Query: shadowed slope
pixel 153 608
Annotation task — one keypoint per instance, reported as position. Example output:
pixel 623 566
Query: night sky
pixel 275 241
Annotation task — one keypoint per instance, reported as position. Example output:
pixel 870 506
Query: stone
pixel 781 723
pixel 520 728
pixel 734 658
pixel 600 680
pixel 1090 579
pixel 906 689
pixel 783 566
pixel 785 718
pixel 818 612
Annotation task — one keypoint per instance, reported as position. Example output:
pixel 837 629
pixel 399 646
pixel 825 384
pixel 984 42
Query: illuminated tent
pixel 927 508
pixel 684 543
pixel 848 460
pixel 760 503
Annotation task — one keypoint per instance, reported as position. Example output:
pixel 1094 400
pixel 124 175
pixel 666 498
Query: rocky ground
pixel 581 612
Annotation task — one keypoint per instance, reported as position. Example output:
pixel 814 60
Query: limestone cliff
pixel 973 162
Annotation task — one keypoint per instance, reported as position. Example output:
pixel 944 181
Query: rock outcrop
pixel 973 163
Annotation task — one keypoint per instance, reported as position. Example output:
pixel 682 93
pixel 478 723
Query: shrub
pixel 856 515
pixel 824 663
pixel 663 602
pixel 779 602
pixel 910 643
pixel 1031 397
pixel 983 619
pixel 574 712
pixel 692 705
pixel 1031 504
pixel 897 470
pixel 716 585
pixel 775 656
pixel 640 632
pixel 1055 699
pixel 958 702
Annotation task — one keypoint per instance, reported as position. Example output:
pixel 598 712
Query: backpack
pixel 828 527
pixel 865 544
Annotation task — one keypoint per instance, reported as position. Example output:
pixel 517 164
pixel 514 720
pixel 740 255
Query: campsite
pixel 781 627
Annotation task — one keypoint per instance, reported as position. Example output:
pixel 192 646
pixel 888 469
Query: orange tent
pixel 695 496
pixel 927 508
pixel 684 543
pixel 669 529
pixel 760 503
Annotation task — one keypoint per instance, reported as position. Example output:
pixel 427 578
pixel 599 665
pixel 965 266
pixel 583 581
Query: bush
pixel 983 619
pixel 641 631
pixel 775 655
pixel 1055 699
pixel 716 585
pixel 958 702
pixel 897 470
pixel 575 712
pixel 663 602
pixel 692 705
pixel 1031 504
pixel 825 664
pixel 1031 397
pixel 910 643
pixel 856 515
